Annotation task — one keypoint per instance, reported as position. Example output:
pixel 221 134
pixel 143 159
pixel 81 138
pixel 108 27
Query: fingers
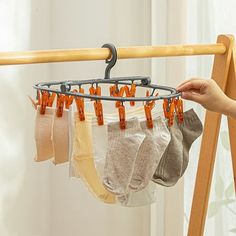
pixel 192 96
pixel 187 81
pixel 195 84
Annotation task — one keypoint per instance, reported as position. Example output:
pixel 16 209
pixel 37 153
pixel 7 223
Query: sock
pixel 175 160
pixel 191 129
pixel 149 153
pixel 83 161
pixel 71 138
pixel 170 166
pixel 43 133
pixel 146 196
pixel 123 145
pixel 60 137
pixel 100 144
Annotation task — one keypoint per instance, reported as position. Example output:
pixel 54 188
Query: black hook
pixel 112 61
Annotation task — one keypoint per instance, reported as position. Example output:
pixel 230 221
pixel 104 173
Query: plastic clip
pixel 121 110
pixel 99 112
pixel 98 106
pixel 80 105
pixel 148 111
pixel 92 91
pixel 120 94
pixel 36 102
pixel 169 110
pixel 60 105
pixel 130 92
pixel 148 114
pixel 51 99
pixel 44 102
pixel 68 101
pixel 179 110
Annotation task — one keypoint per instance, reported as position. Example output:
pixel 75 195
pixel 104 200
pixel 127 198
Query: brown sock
pixel 123 146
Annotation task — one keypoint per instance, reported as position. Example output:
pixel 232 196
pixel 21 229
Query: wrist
pixel 230 108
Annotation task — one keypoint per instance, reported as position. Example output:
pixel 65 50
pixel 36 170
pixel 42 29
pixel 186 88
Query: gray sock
pixel 191 129
pixel 175 159
pixel 170 165
pixel 150 153
pixel 123 146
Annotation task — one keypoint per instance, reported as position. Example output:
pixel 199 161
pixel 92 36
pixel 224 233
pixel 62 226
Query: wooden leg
pixel 209 144
pixel 231 92
pixel 232 132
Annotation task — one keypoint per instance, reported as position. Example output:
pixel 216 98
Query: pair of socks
pixel 83 161
pixel 52 136
pixel 174 161
pixel 98 143
pixel 133 155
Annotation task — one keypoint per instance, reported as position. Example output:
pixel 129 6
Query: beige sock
pixel 83 161
pixel 60 137
pixel 43 134
pixel 149 153
pixel 123 146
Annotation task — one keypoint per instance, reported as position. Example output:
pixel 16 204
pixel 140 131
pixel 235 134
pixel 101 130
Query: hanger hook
pixel 112 61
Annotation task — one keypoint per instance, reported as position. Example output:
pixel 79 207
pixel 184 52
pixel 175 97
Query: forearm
pixel 230 109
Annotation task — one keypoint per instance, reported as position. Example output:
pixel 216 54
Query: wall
pixel 24 185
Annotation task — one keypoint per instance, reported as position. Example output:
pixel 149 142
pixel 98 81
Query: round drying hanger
pixel 66 87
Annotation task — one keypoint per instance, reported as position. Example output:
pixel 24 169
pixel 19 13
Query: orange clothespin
pixel 51 99
pixel 114 90
pixel 68 101
pixel 60 104
pixel 169 110
pixel 148 111
pixel 44 102
pixel 171 113
pixel 38 100
pixel 130 92
pixel 80 105
pixel 98 106
pixel 92 91
pixel 120 94
pixel 179 109
pixel 121 110
pixel 99 112
pixel 166 108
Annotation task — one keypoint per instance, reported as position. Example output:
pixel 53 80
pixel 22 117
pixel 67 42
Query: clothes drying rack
pixel 223 72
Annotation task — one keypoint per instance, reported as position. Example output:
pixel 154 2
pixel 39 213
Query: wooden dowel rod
pixel 30 57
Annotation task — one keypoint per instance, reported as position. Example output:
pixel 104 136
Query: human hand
pixel 207 93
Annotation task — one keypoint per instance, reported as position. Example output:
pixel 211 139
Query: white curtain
pixel 24 189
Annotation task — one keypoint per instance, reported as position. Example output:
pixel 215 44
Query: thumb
pixel 192 96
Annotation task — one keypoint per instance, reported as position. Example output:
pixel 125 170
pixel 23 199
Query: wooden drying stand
pixel 224 73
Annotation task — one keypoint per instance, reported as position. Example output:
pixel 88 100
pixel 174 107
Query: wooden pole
pixel 30 57
pixel 209 144
pixel 231 92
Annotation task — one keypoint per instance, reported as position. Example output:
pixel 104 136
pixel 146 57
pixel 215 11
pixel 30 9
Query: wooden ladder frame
pixel 224 73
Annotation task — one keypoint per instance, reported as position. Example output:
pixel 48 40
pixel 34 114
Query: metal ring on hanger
pixel 112 61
